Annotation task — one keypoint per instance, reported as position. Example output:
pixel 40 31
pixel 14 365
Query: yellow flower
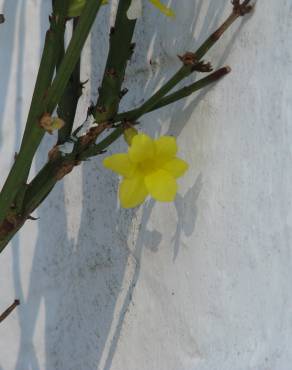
pixel 135 9
pixel 76 7
pixel 149 167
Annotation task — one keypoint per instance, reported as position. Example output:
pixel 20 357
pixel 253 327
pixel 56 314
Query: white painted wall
pixel 201 284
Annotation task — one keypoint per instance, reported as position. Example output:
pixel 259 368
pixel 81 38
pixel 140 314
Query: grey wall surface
pixel 200 284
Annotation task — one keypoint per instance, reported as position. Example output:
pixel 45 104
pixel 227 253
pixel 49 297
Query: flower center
pixel 147 166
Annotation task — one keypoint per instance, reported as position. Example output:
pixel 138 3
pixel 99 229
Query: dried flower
pixel 50 124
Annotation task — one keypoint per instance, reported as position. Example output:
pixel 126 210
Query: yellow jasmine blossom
pixel 76 7
pixel 149 167
pixel 135 9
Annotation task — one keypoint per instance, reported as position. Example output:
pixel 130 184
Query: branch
pixel 8 311
pixel 68 103
pixel 120 51
pixel 96 149
pixel 33 133
pixel 189 67
pixel 180 94
pixel 20 169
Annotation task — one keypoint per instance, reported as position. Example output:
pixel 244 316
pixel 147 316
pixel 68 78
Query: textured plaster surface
pixel 201 284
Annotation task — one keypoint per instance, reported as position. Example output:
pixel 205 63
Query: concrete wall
pixel 201 284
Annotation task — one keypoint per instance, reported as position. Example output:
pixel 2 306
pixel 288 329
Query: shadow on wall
pixel 7 37
pixel 79 282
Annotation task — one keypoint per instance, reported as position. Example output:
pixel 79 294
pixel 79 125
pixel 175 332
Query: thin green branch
pixel 120 51
pixel 96 149
pixel 68 104
pixel 20 169
pixel 188 90
pixel 186 69
pixel 72 55
pixel 38 189
pixel 180 94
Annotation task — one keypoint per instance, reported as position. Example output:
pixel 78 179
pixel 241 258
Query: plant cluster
pixel 150 166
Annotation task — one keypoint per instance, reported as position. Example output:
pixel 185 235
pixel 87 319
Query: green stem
pixel 180 94
pixel 120 51
pixel 183 72
pixel 188 90
pixel 37 191
pixel 96 149
pixel 19 172
pixel 41 186
pixel 72 55
pixel 20 169
pixel 68 103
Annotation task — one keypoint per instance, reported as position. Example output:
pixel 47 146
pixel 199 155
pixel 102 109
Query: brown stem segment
pixel 8 311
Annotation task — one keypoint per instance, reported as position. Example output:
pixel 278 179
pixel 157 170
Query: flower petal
pixel 161 185
pixel 165 149
pixel 176 167
pixel 132 192
pixel 121 164
pixel 135 9
pixel 164 9
pixel 142 148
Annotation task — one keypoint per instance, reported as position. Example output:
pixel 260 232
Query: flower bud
pixel 129 133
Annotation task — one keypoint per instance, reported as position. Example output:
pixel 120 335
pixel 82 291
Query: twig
pixel 68 103
pixel 120 51
pixel 8 311
pixel 20 169
pixel 180 94
pixel 96 149
pixel 188 90
pixel 188 68
pixel 110 93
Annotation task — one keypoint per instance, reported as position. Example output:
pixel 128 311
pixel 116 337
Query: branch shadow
pixel 84 283
pixel 39 293
pixel 13 29
pixel 7 37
